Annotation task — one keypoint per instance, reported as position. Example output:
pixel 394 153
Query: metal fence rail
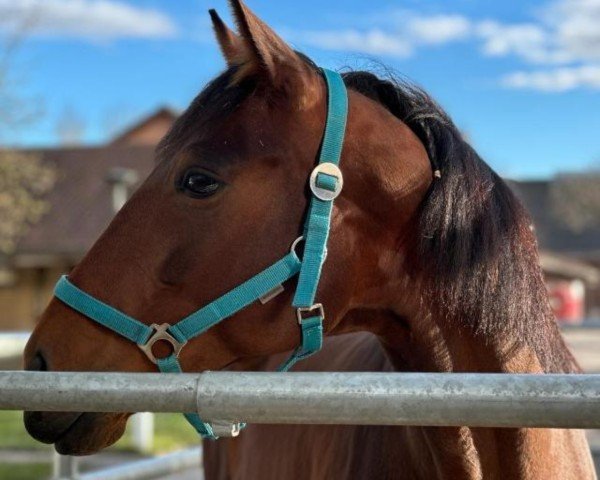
pixel 487 400
pixel 67 468
pixel 150 467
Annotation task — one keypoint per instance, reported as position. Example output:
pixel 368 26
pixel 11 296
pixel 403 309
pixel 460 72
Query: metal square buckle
pixel 331 169
pixel 301 312
pixel 161 334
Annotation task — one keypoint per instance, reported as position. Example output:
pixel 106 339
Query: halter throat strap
pixel 326 183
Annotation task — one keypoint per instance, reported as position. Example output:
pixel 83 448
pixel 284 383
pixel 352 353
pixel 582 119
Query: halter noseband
pixel 326 183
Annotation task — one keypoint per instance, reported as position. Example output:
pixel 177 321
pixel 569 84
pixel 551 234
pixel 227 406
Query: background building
pixel 566 218
pixel 94 182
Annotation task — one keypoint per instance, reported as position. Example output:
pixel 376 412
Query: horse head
pixel 228 197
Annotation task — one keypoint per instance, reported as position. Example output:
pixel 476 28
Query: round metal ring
pixel 295 243
pixel 161 334
pixel 333 170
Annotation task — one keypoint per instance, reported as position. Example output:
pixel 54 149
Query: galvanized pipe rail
pixel 169 463
pixel 437 399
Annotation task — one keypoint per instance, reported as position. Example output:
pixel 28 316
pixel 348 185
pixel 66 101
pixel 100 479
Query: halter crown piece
pixel 326 184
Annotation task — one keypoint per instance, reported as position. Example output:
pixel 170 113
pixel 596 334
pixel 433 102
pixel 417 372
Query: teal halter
pixel 326 183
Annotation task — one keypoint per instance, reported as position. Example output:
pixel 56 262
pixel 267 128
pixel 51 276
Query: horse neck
pixel 439 345
pixel 418 335
pixel 426 343
pixel 430 343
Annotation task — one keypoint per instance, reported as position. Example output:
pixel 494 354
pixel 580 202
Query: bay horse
pixel 429 251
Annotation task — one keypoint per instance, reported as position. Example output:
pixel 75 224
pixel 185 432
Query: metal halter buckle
pixel 331 169
pixel 161 333
pixel 301 311
pixel 223 428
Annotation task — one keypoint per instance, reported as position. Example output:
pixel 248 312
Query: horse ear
pixel 266 52
pixel 233 47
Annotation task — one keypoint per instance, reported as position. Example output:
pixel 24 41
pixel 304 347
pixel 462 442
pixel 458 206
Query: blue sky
pixel 522 79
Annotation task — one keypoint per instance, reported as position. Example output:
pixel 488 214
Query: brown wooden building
pixel 570 247
pixel 93 182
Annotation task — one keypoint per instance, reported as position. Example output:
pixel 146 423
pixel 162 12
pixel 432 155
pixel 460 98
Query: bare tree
pixel 24 182
pixel 70 127
pixel 24 178
pixel 118 117
pixel 16 109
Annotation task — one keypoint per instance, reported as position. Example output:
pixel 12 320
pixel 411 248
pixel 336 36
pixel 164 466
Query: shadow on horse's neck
pixel 424 343
pixel 419 332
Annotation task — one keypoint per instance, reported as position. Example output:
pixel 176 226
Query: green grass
pixel 13 434
pixel 171 432
pixel 29 471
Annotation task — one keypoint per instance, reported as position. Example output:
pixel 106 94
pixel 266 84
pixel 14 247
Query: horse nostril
pixel 37 363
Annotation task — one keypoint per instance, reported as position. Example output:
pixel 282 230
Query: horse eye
pixel 199 185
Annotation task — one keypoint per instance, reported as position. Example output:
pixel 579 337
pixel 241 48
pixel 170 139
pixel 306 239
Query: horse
pixel 429 251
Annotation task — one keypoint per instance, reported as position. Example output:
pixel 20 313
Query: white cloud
pixel 373 42
pixel 563 36
pixel 528 41
pixel 96 20
pixel 567 31
pixel 438 29
pixel 555 80
pixel 400 40
pixel 576 27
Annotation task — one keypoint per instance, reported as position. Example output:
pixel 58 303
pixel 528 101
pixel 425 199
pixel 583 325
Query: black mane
pixel 476 244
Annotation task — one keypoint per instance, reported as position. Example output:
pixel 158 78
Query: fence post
pixel 142 431
pixel 65 467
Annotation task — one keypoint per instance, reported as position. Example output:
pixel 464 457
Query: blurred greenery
pixel 25 180
pixel 13 434
pixel 28 471
pixel 171 432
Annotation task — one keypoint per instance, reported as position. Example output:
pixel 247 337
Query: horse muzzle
pixel 76 433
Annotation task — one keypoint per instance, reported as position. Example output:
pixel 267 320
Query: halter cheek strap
pixel 326 183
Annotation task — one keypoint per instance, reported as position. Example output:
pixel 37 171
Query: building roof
pixel 81 201
pixel 568 267
pixel 148 130
pixel 544 201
